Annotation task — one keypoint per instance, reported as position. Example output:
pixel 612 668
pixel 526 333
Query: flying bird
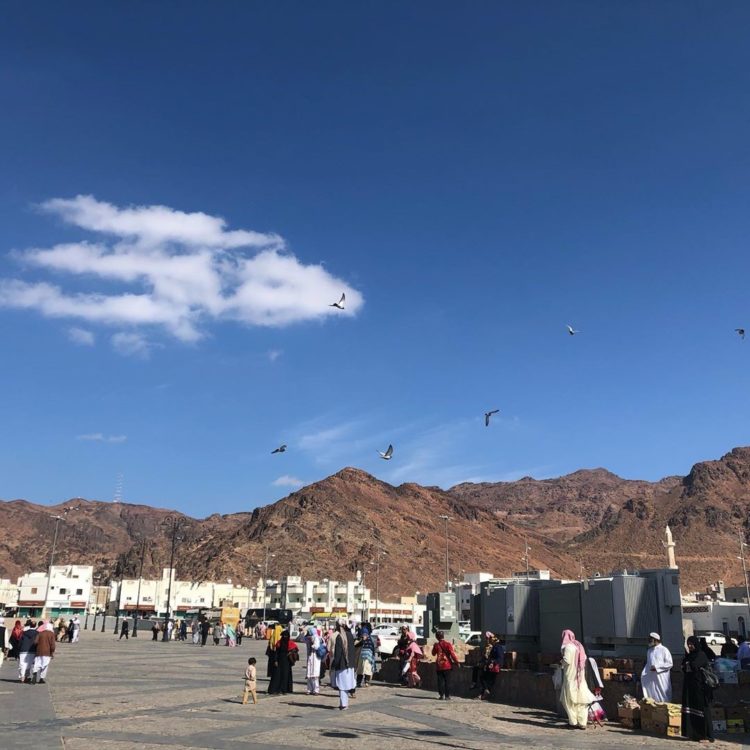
pixel 280 449
pixel 387 455
pixel 487 416
pixel 741 332
pixel 572 330
pixel 340 303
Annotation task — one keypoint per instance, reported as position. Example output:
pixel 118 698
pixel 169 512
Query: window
pixel 203 599
pixel 63 591
pixel 33 590
pixel 146 598
pixel 128 598
pixel 79 592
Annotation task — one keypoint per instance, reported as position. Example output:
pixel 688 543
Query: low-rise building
pixel 730 618
pixel 68 592
pixel 8 594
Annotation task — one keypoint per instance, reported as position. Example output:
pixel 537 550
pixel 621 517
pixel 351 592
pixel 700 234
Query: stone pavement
pixel 105 694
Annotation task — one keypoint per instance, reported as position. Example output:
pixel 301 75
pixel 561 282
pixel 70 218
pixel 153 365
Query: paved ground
pixel 104 694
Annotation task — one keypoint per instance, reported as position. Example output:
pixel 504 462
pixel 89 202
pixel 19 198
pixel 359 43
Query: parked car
pixel 472 638
pixel 386 640
pixel 713 637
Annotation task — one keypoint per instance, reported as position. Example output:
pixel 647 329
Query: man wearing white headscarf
pixel 656 679
pixel 341 649
pixel 45 650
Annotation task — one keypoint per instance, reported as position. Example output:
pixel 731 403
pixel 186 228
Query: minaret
pixel 669 544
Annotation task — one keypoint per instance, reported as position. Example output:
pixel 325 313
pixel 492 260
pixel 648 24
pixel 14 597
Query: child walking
pixel 250 682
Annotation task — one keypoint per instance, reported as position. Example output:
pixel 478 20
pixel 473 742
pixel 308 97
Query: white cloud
pixel 177 271
pixel 274 354
pixel 98 437
pixel 81 336
pixel 131 345
pixel 287 481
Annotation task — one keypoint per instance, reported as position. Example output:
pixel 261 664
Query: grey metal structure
pixel 612 616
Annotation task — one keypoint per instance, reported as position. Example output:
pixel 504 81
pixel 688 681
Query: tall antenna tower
pixel 118 488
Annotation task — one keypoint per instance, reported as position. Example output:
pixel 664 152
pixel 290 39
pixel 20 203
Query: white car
pixel 713 637
pixel 472 638
pixel 386 639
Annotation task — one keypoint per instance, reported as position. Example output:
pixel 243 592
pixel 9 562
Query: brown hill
pixel 564 507
pixel 329 529
pixel 707 511
pixel 334 527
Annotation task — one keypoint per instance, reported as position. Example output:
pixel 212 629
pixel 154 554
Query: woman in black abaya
pixel 696 695
pixel 286 654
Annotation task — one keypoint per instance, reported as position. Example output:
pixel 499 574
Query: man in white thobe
pixel 656 679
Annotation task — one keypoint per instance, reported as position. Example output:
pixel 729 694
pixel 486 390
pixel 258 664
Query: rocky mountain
pixel 336 526
pixel 565 507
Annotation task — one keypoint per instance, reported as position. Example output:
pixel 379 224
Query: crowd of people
pixel 347 652
pixel 32 645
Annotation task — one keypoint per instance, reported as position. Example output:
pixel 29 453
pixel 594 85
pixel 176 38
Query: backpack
pixel 321 651
pixel 293 656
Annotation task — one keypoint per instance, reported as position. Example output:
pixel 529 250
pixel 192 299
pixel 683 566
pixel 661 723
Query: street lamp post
pixel 744 544
pixel 175 523
pixel 52 557
pixel 117 600
pixel 381 551
pixel 138 595
pixel 447 572
pixel 94 584
pixel 265 578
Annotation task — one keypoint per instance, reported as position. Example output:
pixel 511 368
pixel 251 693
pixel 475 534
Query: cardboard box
pixel 736 726
pixel 674 731
pixel 720 727
pixel 735 712
pixel 718 713
pixel 629 713
pixel 607 673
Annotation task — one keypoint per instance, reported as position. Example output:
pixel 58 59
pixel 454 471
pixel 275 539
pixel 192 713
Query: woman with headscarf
pixel 286 656
pixel 707 650
pixel 15 640
pixel 313 642
pixel 491 664
pixel 341 648
pixel 366 658
pixel 696 695
pixel 230 635
pixel 413 656
pixel 445 660
pixel 575 695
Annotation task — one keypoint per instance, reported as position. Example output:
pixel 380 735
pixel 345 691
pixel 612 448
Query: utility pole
pixel 265 580
pixel 174 522
pixel 138 595
pixel 447 572
pixel 381 551
pixel 52 557
pixel 525 557
pixel 119 594
pixel 744 544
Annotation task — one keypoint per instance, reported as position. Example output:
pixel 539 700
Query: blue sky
pixel 474 177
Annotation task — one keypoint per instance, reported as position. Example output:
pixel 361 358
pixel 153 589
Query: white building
pixel 69 591
pixel 8 594
pixel 729 618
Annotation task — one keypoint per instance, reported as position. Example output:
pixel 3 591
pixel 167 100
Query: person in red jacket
pixel 445 660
